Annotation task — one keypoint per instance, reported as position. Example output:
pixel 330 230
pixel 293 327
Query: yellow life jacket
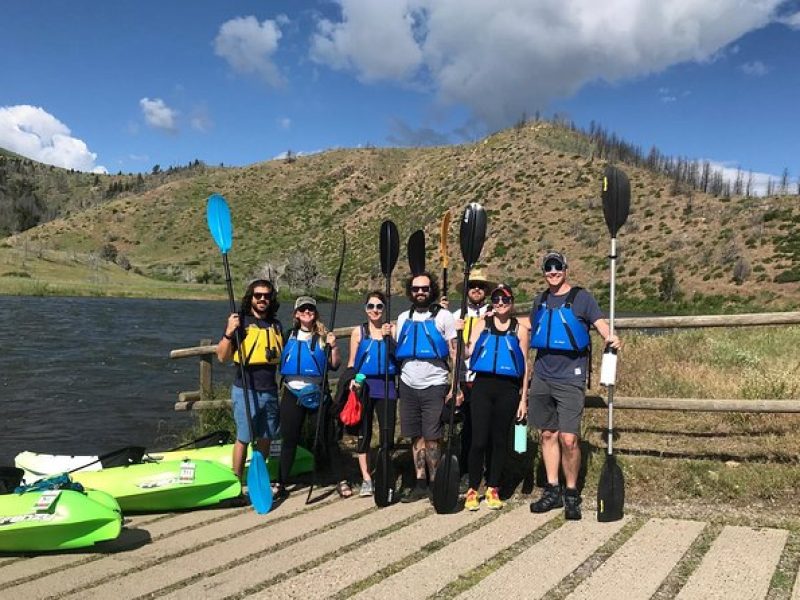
pixel 469 325
pixel 261 345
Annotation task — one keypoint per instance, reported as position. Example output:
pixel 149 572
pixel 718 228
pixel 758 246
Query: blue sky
pixel 129 84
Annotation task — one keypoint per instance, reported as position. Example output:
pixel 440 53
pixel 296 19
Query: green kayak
pixel 38 521
pixel 165 485
pixel 37 466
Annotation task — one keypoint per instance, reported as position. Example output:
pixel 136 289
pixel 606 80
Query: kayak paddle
pixel 445 484
pixel 389 249
pixel 616 195
pixel 443 257
pixel 325 399
pixel 218 216
pixel 416 252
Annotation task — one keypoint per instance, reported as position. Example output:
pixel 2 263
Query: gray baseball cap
pixel 554 256
pixel 304 301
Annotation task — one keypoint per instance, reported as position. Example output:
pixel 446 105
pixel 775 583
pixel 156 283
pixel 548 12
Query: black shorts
pixel 556 405
pixel 421 411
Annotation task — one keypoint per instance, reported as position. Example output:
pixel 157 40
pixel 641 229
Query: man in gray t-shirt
pixel 558 388
pixel 423 329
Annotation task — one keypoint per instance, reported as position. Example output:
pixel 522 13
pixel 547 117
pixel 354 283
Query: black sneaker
pixel 572 505
pixel 551 498
pixel 414 494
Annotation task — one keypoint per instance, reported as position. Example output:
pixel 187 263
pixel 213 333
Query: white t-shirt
pixel 466 374
pixel 421 374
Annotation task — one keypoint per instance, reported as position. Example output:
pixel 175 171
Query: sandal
pixel 343 488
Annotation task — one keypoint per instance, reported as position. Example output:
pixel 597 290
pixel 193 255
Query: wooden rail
pixel 201 399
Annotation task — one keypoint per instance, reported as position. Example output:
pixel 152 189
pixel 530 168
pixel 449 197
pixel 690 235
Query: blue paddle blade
pixel 219 222
pixel 258 485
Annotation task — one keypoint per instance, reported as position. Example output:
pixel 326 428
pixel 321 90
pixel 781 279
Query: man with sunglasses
pixel 262 342
pixel 478 287
pixel 426 340
pixel 560 320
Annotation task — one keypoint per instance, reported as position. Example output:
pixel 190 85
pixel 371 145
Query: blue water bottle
pixel 521 436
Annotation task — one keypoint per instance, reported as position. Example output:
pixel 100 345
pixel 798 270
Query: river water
pixel 88 375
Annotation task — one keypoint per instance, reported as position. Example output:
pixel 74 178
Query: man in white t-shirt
pixel 426 341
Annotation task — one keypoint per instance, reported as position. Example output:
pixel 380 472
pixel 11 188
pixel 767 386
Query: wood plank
pixel 738 566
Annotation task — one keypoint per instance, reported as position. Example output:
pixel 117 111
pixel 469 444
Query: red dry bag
pixel 351 413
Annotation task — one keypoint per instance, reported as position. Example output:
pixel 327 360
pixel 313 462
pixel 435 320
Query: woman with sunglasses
pixel 262 341
pixel 368 357
pixel 302 366
pixel 497 357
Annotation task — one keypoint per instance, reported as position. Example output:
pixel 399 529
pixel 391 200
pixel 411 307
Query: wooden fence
pixel 201 399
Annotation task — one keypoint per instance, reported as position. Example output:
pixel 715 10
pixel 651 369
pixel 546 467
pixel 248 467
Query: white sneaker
pixel 366 489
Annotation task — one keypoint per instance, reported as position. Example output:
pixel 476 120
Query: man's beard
pixel 421 301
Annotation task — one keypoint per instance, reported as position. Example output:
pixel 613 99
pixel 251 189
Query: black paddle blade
pixel 389 247
pixel 10 479
pixel 445 485
pixel 132 455
pixel 616 198
pixel 416 252
pixel 472 233
pixel 384 492
pixel 610 492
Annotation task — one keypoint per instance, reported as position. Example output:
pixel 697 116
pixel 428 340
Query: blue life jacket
pixel 558 328
pixel 421 340
pixel 371 356
pixel 302 358
pixel 498 352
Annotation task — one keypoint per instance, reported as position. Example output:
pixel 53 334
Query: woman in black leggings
pixel 302 366
pixel 497 356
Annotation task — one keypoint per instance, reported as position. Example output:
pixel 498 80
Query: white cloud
pixel 285 123
pixel 756 68
pixel 792 20
pixel 501 59
pixel 36 134
pixel 200 119
pixel 759 181
pixel 158 115
pixel 248 46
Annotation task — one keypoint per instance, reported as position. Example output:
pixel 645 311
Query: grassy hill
pixel 539 183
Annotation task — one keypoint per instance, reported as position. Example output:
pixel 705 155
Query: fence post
pixel 206 385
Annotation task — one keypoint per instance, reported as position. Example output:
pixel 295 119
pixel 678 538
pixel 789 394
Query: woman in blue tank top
pixel 368 356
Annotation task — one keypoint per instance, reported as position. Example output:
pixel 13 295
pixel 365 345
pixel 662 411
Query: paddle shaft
pixel 325 369
pixel 611 313
pixel 238 337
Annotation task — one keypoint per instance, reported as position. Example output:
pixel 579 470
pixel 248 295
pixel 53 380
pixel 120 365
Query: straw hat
pixel 477 275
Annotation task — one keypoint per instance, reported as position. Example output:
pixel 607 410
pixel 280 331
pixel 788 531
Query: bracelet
pixel 227 337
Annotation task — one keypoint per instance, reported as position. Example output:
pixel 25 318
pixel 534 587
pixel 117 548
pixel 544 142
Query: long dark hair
pixel 247 299
pixel 434 295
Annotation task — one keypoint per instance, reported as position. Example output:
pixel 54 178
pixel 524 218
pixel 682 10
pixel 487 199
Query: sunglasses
pixel 371 306
pixel 553 268
pixel 502 299
pixel 421 288
pixel 306 309
pixel 260 296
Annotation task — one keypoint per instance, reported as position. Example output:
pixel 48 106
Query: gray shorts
pixel 556 405
pixel 421 411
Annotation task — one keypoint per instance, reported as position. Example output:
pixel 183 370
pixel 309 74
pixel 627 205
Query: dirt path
pixel 342 549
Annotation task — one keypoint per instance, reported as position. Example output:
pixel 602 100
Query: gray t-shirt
pixel 562 365
pixel 421 374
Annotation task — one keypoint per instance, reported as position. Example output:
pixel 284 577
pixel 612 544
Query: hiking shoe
pixel 366 489
pixel 472 502
pixel 492 499
pixel 551 498
pixel 414 494
pixel 572 505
